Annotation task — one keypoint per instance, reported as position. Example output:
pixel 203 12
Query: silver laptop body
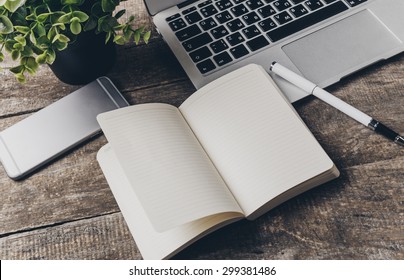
pixel 324 48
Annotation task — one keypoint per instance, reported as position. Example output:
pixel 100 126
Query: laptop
pixel 323 40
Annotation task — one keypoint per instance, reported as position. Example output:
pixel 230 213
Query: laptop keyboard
pixel 218 32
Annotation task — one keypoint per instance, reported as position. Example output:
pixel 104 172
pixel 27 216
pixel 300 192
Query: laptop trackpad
pixel 337 50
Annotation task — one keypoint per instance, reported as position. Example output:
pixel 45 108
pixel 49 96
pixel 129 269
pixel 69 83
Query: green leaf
pixel 17 69
pixel 63 38
pixel 108 6
pixel 137 37
pixel 13 5
pixel 127 33
pixel 52 33
pixel 27 51
pixel 31 17
pixel 1 57
pixel 146 37
pixel 108 37
pixel 80 15
pixel 9 45
pixel 60 46
pixel 118 39
pixel 90 24
pixel 20 39
pixel 32 38
pixel 75 26
pixel 20 78
pixel 32 64
pixel 6 26
pixel 50 56
pixel 18 47
pixel 22 29
pixel 71 2
pixel 41 59
pixel 40 30
pixel 107 23
pixel 43 17
pixel 55 38
pixel 65 18
pixel 18 18
pixel 120 14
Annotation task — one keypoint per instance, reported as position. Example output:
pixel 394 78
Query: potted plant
pixel 36 32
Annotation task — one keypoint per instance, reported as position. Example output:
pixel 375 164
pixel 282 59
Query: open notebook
pixel 234 149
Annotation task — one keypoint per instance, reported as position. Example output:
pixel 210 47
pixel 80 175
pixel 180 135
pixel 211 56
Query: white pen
pixel 337 103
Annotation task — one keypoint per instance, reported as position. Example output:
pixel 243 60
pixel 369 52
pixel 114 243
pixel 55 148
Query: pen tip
pixel 399 140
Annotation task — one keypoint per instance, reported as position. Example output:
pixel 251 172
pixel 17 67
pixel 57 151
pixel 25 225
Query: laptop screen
pixel 155 6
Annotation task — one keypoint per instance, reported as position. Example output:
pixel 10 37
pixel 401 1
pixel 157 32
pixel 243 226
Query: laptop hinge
pixel 186 3
pixel 155 6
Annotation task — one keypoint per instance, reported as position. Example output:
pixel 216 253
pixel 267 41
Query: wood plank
pixel 136 67
pixel 357 216
pixel 73 186
pixel 346 149
pixel 104 237
pixel 377 91
pixel 66 210
pixel 16 98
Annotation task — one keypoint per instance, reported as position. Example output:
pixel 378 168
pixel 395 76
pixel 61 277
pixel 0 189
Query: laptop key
pixel 239 51
pixel 223 17
pixel 188 32
pixel 206 66
pixel 306 21
pixel 314 4
pixel 354 3
pixel 204 4
pixel 251 32
pixel 197 42
pixel 222 58
pixel 187 11
pixel 235 25
pixel 257 43
pixel 239 10
pixel 200 54
pixel 235 39
pixel 208 23
pixel 250 18
pixel 254 4
pixel 283 17
pixel 281 5
pixel 193 17
pixel 173 17
pixel 224 4
pixel 267 24
pixel 299 10
pixel 177 24
pixel 266 11
pixel 209 11
pixel 219 32
pixel 218 46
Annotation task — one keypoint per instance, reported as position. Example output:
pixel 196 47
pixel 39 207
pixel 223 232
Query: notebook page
pixel 153 244
pixel 173 178
pixel 253 136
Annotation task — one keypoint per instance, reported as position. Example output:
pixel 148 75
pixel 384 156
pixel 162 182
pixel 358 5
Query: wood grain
pixel 66 209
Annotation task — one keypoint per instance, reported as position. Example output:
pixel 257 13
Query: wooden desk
pixel 66 210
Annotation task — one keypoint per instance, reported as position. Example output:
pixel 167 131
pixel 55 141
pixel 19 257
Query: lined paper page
pixel 173 178
pixel 254 137
pixel 152 244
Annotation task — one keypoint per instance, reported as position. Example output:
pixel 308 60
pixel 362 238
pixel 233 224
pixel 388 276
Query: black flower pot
pixel 85 59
